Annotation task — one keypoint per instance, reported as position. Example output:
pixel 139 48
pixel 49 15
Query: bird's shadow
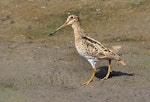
pixel 102 71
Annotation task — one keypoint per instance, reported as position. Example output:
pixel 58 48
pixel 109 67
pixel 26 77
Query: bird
pixel 91 49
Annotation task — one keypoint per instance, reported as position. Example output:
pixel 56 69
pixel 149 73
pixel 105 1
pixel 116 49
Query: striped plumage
pixel 89 48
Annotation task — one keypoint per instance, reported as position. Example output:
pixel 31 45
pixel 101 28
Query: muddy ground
pixel 35 67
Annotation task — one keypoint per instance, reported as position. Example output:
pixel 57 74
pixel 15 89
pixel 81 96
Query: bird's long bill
pixel 65 24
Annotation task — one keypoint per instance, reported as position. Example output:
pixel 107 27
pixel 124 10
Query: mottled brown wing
pixel 98 50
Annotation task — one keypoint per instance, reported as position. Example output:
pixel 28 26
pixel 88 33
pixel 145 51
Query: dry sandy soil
pixel 35 67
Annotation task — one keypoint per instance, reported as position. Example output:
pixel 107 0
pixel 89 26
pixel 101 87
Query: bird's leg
pixel 108 72
pixel 91 78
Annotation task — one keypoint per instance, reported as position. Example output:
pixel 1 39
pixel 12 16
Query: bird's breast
pixel 80 49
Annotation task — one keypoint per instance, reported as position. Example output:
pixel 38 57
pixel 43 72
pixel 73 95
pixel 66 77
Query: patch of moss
pixel 6 85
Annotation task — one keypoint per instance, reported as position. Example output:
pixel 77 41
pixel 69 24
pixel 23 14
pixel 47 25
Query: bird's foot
pixel 91 78
pixel 106 77
pixel 87 82
pixel 108 72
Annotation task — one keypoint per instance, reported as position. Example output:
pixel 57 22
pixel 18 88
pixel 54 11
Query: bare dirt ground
pixel 35 67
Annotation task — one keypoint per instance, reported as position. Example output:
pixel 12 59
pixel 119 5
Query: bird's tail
pixel 122 62
pixel 116 49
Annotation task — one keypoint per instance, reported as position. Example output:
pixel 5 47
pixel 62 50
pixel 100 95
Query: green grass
pixel 6 85
pixel 94 15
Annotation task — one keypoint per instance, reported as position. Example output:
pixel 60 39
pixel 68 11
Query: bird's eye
pixel 71 17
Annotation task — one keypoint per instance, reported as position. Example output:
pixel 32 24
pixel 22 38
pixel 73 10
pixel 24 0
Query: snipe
pixel 91 49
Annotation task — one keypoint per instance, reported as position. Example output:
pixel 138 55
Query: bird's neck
pixel 78 31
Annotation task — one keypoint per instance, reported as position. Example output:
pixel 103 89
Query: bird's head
pixel 70 20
